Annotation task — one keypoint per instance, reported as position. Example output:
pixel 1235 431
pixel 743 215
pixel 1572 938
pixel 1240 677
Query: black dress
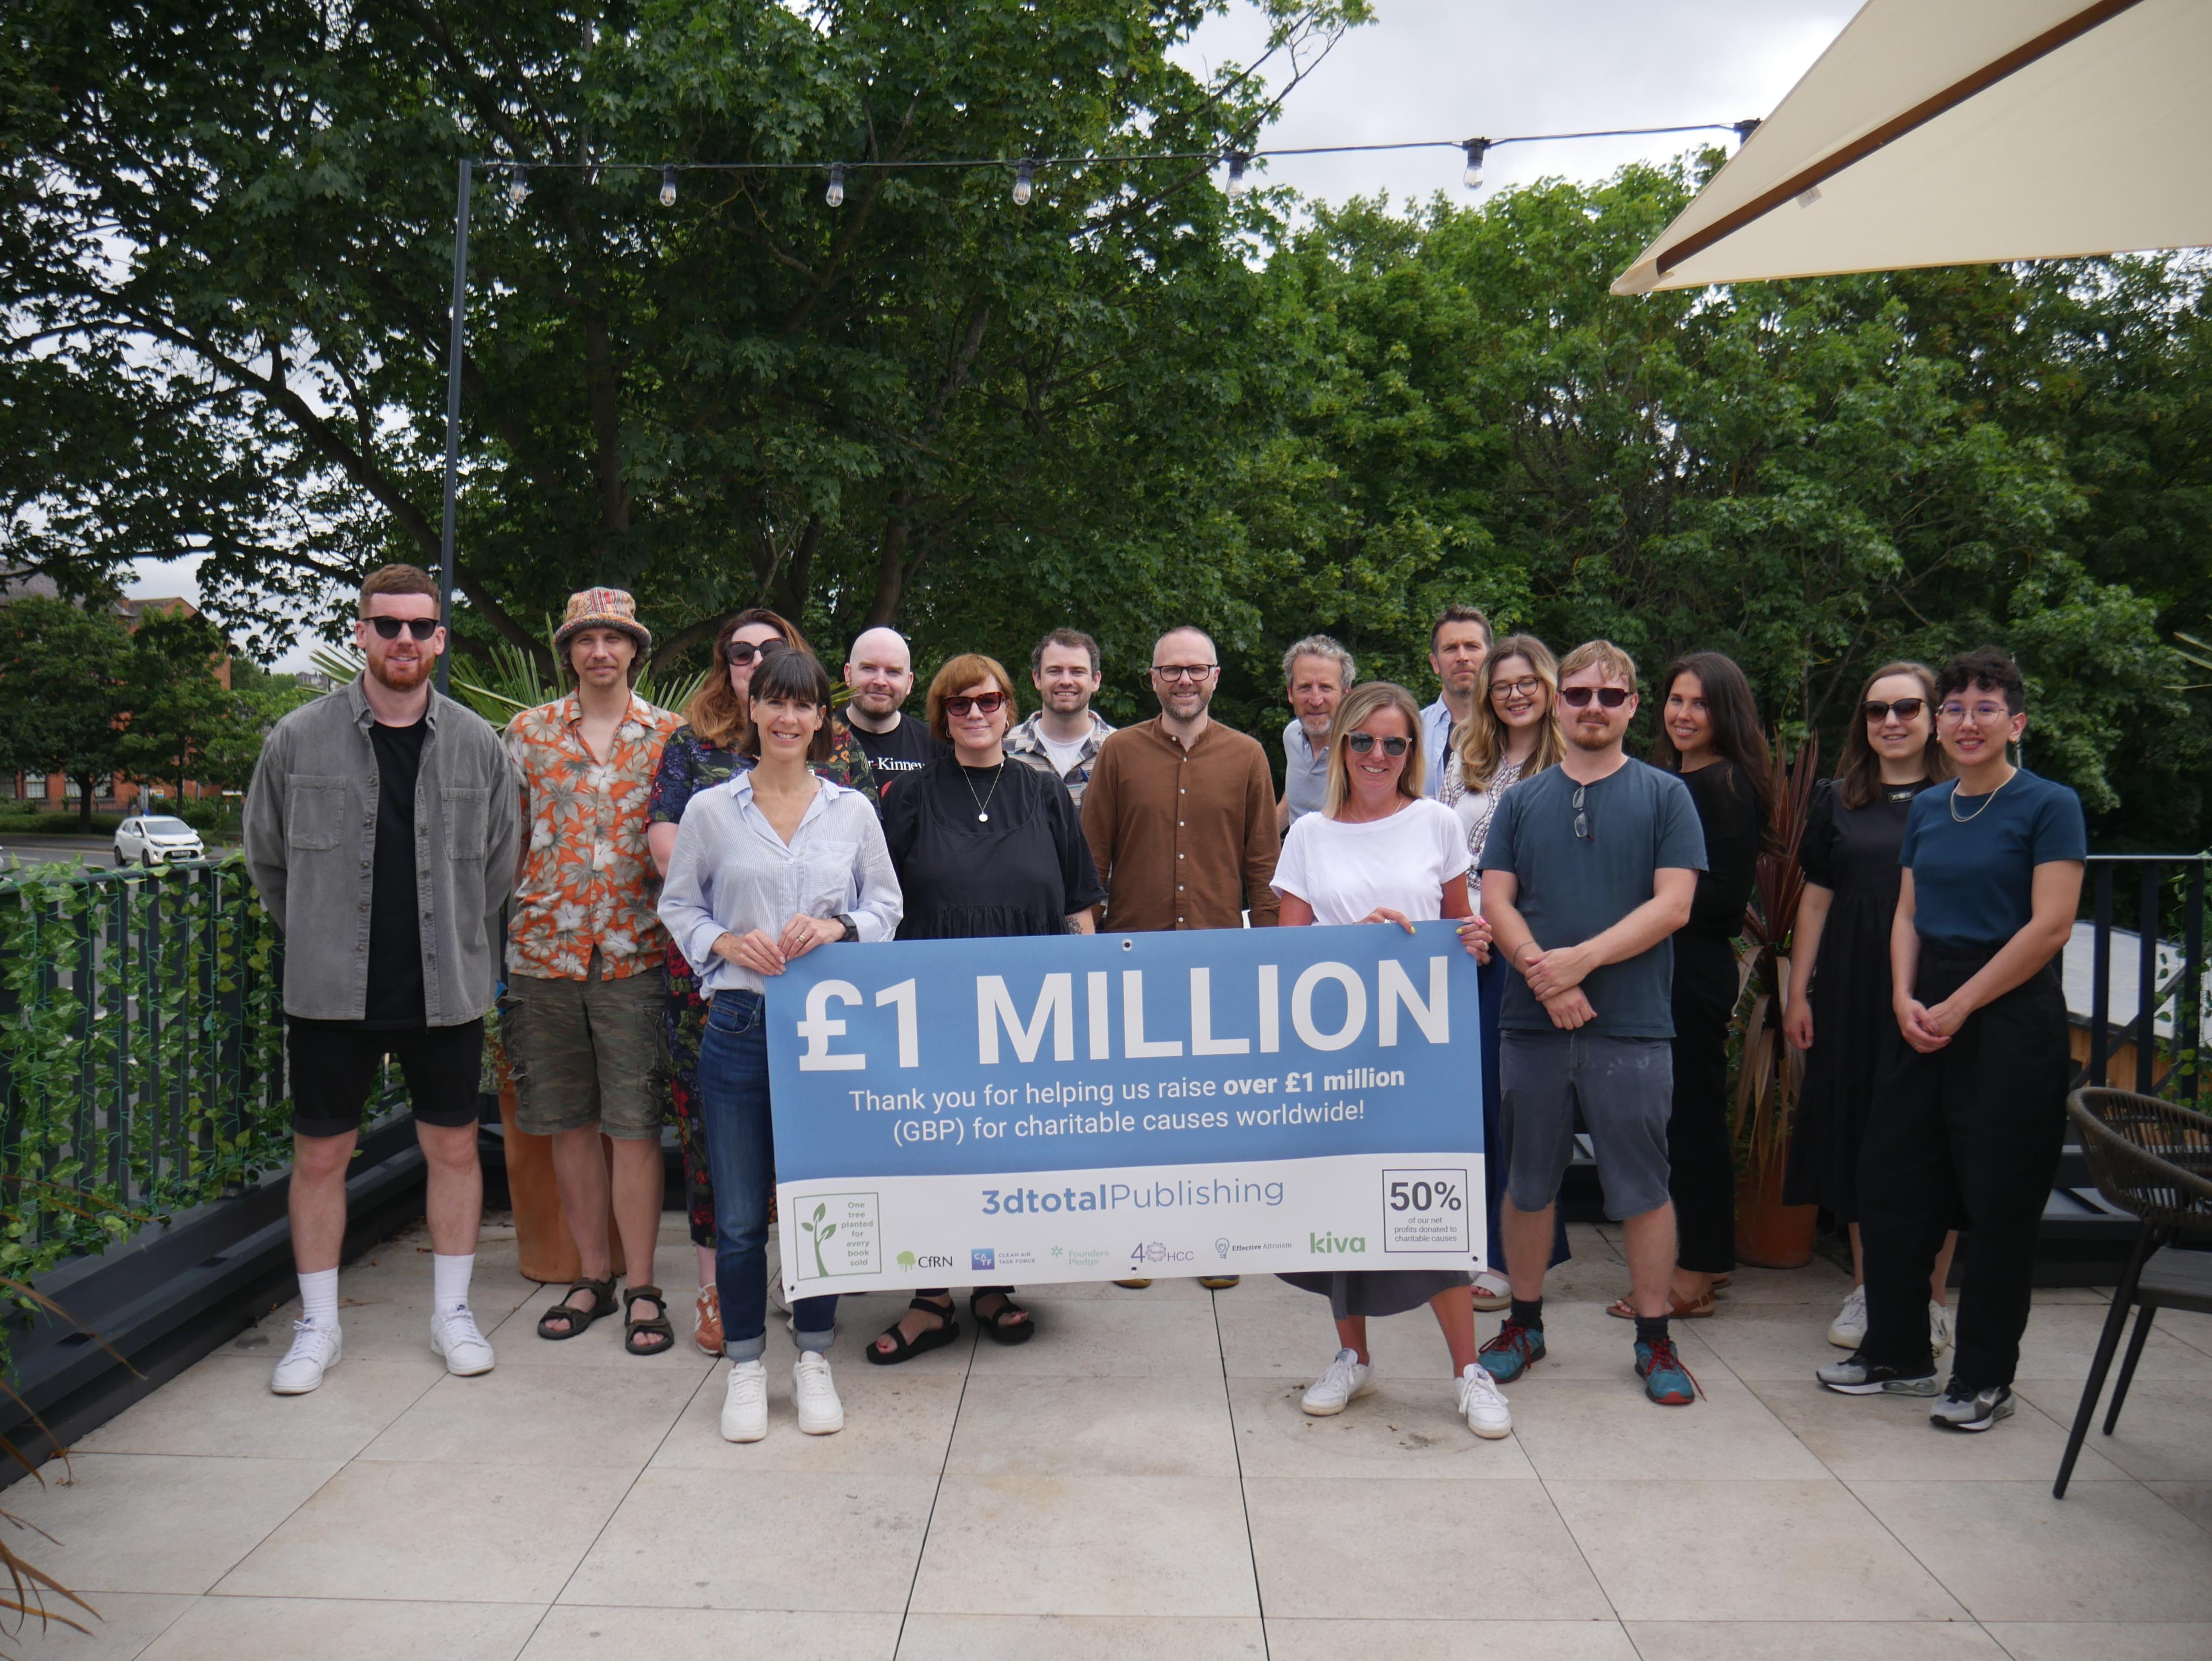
pixel 1852 852
pixel 1021 870
pixel 1701 1151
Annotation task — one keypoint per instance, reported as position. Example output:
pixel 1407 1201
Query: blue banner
pixel 1079 1107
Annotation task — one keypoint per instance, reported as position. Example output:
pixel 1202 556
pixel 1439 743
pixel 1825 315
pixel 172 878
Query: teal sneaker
pixel 1665 1380
pixel 1507 1355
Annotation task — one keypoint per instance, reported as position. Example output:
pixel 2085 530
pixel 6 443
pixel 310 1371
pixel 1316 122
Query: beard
pixel 402 676
pixel 1590 738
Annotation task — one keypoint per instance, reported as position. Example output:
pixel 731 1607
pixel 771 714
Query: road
pixel 68 850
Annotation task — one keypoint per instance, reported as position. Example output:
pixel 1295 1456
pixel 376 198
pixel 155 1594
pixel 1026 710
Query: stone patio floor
pixel 1137 1482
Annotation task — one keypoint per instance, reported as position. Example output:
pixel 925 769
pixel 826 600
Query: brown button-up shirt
pixel 1182 838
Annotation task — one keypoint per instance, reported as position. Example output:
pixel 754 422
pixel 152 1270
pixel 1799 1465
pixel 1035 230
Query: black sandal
pixel 996 1323
pixel 580 1320
pixel 905 1348
pixel 659 1324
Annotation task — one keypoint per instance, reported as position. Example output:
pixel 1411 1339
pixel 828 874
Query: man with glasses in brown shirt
pixel 1181 815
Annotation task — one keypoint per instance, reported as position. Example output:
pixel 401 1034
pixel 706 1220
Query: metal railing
pixel 2160 1028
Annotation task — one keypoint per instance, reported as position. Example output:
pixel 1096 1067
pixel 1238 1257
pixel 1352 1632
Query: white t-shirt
pixel 1345 870
pixel 1063 756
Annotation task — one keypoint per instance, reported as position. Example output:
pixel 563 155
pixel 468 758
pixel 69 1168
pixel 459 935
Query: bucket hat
pixel 602 608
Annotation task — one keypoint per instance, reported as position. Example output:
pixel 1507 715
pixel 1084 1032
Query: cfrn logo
pixel 924 1260
pixel 1326 1242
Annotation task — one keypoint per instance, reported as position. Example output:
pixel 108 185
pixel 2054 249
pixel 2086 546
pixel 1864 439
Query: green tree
pixel 62 673
pixel 177 710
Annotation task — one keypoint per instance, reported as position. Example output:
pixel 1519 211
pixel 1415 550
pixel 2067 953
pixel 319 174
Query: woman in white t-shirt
pixel 1380 852
pixel 1512 734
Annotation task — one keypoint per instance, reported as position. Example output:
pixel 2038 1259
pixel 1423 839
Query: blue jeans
pixel 741 1154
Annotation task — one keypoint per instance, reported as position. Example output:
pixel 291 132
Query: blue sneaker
pixel 1507 1355
pixel 1665 1380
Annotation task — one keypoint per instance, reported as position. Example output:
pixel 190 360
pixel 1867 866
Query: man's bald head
pixel 880 671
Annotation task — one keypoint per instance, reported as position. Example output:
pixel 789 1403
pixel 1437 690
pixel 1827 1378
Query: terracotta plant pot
pixel 547 1249
pixel 1768 1233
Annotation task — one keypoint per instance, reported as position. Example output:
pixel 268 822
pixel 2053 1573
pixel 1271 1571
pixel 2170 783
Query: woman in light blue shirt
pixel 767 868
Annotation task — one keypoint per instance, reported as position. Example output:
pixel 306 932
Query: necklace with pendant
pixel 983 803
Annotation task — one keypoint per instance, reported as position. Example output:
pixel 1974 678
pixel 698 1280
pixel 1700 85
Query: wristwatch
pixel 852 929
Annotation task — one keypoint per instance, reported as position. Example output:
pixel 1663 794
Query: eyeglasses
pixel 1582 819
pixel 742 652
pixel 1193 672
pixel 986 703
pixel 419 627
pixel 1526 687
pixel 1578 698
pixel 1902 708
pixel 1362 744
pixel 1983 715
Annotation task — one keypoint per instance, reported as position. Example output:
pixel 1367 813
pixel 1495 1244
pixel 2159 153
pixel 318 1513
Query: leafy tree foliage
pixel 62 670
pixel 227 246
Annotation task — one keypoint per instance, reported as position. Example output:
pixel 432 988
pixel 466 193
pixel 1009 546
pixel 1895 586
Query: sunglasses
pixel 986 703
pixel 1902 708
pixel 742 652
pixel 420 628
pixel 1578 698
pixel 1361 744
pixel 1582 819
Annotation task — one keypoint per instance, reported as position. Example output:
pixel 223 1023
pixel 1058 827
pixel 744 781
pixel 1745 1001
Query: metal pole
pixel 453 415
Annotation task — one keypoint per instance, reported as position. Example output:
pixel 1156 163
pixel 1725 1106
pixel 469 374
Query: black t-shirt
pixel 906 749
pixel 395 935
pixel 987 851
pixel 1728 812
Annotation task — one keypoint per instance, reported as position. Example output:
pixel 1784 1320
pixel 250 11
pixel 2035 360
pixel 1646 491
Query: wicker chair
pixel 2154 1158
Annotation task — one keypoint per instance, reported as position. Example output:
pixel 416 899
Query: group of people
pixel 659 869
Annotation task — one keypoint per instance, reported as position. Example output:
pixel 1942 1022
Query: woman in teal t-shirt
pixel 1968 1121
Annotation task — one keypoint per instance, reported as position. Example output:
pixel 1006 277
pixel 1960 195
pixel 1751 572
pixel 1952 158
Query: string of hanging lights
pixel 1027 168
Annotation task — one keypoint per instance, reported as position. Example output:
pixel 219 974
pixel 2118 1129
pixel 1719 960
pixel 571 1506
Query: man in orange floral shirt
pixel 582 1018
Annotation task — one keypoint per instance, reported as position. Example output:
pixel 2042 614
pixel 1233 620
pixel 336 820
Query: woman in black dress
pixel 983 847
pixel 1840 980
pixel 1708 734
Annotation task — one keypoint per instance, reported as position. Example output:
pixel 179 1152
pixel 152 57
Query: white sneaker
pixel 1939 1327
pixel 453 1334
pixel 1347 1379
pixel 1483 1405
pixel 744 1410
pixel 1492 1291
pixel 315 1350
pixel 1847 1329
pixel 820 1412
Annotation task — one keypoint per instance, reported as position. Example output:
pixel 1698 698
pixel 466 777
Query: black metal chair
pixel 2154 1158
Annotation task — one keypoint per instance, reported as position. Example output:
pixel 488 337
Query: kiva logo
pixel 1327 1242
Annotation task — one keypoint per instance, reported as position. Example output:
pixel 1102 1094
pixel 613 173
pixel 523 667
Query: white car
pixel 154 840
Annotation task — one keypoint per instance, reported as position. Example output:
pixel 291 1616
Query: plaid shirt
pixel 1024 744
pixel 587 877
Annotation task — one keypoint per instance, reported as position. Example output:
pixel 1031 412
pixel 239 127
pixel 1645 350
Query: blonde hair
pixel 1481 739
pixel 962 672
pixel 1360 703
pixel 1616 663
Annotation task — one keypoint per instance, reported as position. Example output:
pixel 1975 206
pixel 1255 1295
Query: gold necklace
pixel 1986 801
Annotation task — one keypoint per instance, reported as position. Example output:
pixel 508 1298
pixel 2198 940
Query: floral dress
pixel 689 764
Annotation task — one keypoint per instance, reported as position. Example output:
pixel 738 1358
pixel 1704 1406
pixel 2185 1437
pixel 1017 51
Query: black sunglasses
pixel 988 702
pixel 1578 698
pixel 1902 708
pixel 1361 743
pixel 389 628
pixel 742 652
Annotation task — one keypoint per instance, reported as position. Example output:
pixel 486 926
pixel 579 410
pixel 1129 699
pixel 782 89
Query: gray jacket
pixel 310 845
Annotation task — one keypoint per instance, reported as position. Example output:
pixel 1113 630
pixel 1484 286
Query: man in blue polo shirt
pixel 1589 868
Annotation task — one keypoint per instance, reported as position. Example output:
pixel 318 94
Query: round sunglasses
pixel 1578 698
pixel 1361 744
pixel 742 652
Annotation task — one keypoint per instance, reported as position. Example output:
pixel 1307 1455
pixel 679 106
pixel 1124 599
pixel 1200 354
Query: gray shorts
pixel 586 1052
pixel 1625 1088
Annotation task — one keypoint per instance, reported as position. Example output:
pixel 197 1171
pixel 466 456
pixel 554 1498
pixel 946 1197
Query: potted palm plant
pixel 1768 1072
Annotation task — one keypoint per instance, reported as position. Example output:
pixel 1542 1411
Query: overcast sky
pixel 1461 69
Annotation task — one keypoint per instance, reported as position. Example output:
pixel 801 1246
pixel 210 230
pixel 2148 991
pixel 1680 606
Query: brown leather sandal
pixel 659 1325
pixel 580 1320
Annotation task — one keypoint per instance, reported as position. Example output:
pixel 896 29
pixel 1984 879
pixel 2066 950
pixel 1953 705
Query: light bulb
pixel 1025 183
pixel 1474 149
pixel 668 187
pixel 834 195
pixel 518 185
pixel 1236 159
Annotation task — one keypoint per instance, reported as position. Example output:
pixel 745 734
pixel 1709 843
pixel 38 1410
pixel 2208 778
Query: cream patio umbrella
pixel 1944 132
